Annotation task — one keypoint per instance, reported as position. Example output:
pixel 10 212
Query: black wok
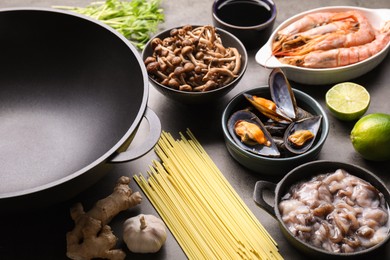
pixel 72 94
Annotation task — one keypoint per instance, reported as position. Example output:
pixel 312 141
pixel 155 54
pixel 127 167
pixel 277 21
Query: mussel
pixel 275 128
pixel 282 93
pixel 283 107
pixel 287 128
pixel 268 108
pixel 300 135
pixel 249 132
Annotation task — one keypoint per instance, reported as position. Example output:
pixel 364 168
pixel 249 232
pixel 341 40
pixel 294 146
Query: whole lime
pixel 370 137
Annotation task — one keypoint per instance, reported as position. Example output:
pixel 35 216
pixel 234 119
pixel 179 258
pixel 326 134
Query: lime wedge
pixel 347 101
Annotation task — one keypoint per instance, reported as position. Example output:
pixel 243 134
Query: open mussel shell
pixel 245 115
pixel 275 128
pixel 282 93
pixel 311 124
pixel 301 114
pixel 277 115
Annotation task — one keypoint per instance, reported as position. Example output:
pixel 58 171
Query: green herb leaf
pixel 136 19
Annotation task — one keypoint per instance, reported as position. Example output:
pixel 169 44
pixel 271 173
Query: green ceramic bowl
pixel 267 165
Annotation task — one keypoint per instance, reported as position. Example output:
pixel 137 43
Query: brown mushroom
pixel 220 71
pixel 209 85
pixel 155 42
pixel 185 88
pixel 193 58
pixel 149 60
pixel 173 83
pixel 238 61
pixel 153 68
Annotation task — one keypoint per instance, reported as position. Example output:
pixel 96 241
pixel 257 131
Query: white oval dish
pixel 323 76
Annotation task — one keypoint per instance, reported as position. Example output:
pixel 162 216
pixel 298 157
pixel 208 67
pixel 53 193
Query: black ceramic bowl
pixel 251 21
pixel 304 173
pixel 187 97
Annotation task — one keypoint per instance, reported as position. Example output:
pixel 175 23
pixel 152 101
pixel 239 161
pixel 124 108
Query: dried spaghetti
pixel 204 213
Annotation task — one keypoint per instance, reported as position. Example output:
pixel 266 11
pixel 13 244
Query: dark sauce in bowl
pixel 244 12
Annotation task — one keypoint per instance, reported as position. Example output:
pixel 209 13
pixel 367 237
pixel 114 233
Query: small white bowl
pixel 377 18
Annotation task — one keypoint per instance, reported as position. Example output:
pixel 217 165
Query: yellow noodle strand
pixel 200 207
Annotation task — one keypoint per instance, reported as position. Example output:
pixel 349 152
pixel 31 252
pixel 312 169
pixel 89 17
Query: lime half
pixel 347 101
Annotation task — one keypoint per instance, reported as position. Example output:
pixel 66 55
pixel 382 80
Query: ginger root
pixel 92 237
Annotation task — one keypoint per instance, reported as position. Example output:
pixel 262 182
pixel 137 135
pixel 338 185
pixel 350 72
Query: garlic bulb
pixel 144 233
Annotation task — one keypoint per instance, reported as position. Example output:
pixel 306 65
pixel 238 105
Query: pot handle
pixel 258 193
pixel 147 145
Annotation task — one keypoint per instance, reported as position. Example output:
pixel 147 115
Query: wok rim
pixel 133 127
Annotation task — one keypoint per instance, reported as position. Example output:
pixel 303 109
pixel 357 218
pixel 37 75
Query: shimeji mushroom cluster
pixel 193 59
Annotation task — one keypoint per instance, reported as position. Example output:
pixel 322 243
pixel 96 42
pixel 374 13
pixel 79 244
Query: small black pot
pixel 306 172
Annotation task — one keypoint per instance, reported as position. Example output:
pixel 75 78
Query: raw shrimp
pixel 336 26
pixel 340 56
pixel 347 26
pixel 305 23
pixel 362 33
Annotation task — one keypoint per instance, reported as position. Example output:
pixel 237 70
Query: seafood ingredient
pixel 337 26
pixel 339 40
pixel 282 93
pixel 356 32
pixel 268 108
pixel 300 137
pixel 290 129
pixel 340 56
pixel 275 128
pixel 308 22
pixel 193 59
pixel 250 133
pixel 337 211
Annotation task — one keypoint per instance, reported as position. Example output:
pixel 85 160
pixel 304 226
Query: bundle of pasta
pixel 204 213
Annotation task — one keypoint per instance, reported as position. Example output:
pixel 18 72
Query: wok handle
pixel 258 195
pixel 147 145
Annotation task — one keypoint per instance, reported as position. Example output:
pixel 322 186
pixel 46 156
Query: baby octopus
pixel 337 212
